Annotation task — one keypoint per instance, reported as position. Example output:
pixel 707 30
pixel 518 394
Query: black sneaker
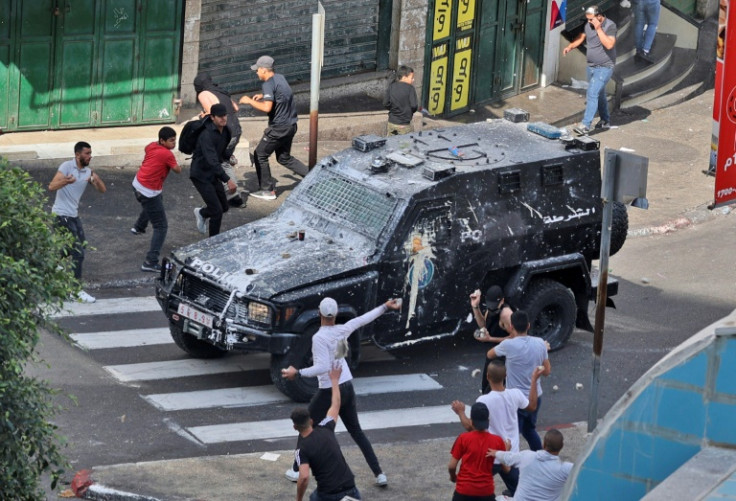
pixel 152 267
pixel 136 231
pixel 236 202
pixel 644 56
pixel 603 124
pixel 264 194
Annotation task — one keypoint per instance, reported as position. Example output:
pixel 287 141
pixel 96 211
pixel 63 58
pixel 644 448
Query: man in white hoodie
pixel 324 344
pixel 542 475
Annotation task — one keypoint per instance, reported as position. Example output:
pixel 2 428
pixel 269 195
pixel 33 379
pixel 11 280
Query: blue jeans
pixel 528 427
pixel 598 77
pixel 317 496
pixel 647 13
pixel 510 479
pixel 152 209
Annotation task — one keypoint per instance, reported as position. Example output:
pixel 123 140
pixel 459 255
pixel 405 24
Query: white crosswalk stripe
pixel 264 395
pixel 169 369
pixel 279 428
pixel 122 339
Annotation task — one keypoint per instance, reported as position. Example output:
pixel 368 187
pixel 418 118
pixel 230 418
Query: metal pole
pixel 600 305
pixel 314 87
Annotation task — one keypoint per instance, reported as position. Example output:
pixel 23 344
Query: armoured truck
pixel 427 217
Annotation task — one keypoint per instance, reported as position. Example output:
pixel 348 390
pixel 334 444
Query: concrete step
pixel 680 63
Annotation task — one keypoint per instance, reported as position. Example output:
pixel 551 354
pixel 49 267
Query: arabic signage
pixel 723 142
pixel 451 55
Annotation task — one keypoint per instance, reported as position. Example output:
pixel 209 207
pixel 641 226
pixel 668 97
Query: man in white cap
pixel 324 344
pixel 277 100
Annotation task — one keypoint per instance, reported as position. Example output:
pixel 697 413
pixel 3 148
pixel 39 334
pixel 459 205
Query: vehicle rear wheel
pixel 619 230
pixel 300 389
pixel 551 308
pixel 193 346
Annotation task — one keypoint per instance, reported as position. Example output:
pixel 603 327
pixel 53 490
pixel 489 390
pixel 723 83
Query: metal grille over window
pixel 552 175
pixel 363 209
pixel 509 182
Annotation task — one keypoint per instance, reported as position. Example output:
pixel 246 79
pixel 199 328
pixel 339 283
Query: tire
pixel 193 346
pixel 619 230
pixel 300 389
pixel 552 310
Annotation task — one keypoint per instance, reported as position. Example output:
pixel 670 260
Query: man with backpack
pixel 209 94
pixel 277 100
pixel 206 171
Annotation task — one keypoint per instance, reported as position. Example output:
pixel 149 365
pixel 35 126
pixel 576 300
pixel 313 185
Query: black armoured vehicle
pixel 427 217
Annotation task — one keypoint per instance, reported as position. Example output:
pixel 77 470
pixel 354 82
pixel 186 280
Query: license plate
pixel 194 314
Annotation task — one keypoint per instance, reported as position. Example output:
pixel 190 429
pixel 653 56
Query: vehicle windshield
pixel 348 202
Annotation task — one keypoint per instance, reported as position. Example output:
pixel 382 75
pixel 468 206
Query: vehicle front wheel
pixel 300 389
pixel 551 308
pixel 193 346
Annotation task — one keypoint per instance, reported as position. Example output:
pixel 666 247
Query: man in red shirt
pixel 474 481
pixel 148 186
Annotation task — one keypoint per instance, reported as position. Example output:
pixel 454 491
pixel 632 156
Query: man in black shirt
pixel 401 101
pixel 318 449
pixel 494 325
pixel 206 172
pixel 277 100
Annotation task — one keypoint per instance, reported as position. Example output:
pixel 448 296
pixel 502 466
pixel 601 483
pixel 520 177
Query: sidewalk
pixel 676 140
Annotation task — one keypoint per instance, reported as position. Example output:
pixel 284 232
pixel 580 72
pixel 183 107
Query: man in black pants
pixel 207 173
pixel 277 100
pixel 325 343
pixel 494 325
pixel 319 450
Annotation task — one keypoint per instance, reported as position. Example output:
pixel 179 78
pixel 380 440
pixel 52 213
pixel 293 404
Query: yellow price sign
pixel 465 15
pixel 461 73
pixel 438 79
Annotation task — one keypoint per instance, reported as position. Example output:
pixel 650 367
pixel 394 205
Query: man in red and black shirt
pixel 474 481
pixel 148 186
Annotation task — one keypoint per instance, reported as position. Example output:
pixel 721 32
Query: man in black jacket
pixel 207 173
pixel 401 101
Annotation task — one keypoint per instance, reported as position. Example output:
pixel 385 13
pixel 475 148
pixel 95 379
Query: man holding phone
pixel 600 34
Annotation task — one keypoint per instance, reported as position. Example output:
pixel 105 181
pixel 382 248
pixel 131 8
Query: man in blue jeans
pixel 600 33
pixel 647 14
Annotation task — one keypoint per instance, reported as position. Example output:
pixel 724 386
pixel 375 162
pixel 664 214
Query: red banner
pixel 724 108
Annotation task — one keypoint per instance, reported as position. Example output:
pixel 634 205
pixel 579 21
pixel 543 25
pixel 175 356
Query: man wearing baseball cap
pixel 474 481
pixel 325 343
pixel 494 325
pixel 207 174
pixel 277 100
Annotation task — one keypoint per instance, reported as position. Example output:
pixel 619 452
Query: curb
pixel 688 219
pixel 97 492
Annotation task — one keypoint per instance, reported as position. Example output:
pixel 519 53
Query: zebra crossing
pixel 156 378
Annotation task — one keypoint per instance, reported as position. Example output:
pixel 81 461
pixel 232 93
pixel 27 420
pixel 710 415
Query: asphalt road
pixel 670 287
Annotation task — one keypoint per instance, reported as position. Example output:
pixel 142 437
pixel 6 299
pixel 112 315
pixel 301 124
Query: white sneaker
pixel 292 475
pixel 381 480
pixel 201 222
pixel 85 298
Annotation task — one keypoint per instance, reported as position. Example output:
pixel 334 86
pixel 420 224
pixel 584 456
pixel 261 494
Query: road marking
pixel 123 339
pixel 149 371
pixel 280 428
pixel 109 307
pixel 263 395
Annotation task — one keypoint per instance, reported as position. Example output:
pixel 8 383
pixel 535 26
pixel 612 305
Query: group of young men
pixel 506 409
pixel 211 171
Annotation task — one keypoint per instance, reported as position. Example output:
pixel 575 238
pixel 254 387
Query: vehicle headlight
pixel 169 271
pixel 259 312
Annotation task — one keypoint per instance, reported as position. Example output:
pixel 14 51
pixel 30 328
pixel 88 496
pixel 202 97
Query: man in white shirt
pixel 523 354
pixel 503 405
pixel 324 343
pixel 542 474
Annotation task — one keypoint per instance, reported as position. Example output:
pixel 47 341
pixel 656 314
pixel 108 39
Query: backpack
pixel 190 133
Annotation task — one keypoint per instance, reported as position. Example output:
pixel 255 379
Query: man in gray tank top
pixel 599 34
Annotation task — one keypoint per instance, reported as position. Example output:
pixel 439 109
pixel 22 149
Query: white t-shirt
pixel 523 354
pixel 503 419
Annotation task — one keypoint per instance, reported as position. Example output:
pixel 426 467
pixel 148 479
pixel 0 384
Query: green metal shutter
pixel 233 34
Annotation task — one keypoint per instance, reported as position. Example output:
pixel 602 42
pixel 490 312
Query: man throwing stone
pixel 277 100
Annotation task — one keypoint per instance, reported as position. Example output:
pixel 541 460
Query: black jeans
pixel 276 139
pixel 510 479
pixel 462 497
pixel 213 195
pixel 74 225
pixel 320 404
pixel 152 209
pixel 318 496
